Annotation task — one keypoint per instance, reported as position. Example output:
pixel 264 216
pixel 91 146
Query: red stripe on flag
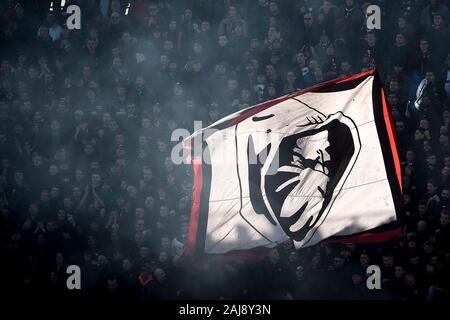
pixel 370 237
pixel 392 138
pixel 195 208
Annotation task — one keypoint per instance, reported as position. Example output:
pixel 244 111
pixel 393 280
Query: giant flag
pixel 318 164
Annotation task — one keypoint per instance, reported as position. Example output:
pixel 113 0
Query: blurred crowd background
pixel 86 118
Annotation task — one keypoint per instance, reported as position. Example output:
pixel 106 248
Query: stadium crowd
pixel 86 118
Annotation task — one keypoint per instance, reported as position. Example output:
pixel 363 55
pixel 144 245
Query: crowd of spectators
pixel 86 118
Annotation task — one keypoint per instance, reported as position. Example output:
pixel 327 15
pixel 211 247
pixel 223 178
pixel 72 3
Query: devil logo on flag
pixel 310 166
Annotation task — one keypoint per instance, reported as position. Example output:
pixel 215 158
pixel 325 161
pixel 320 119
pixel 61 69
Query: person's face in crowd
pixel 160 275
pixel 399 126
pixel 121 163
pixel 91 45
pixel 91 95
pixel 370 39
pixel 163 211
pixel 53 170
pixel 223 41
pixel 214 114
pixel 139 238
pixel 294 257
pixel 2 138
pixel 5 163
pixel 418 135
pixel 197 48
pixel 140 213
pixel 421 226
pixel 33 211
pixel 67 202
pixel 113 285
pixel 429 76
pixel 43 33
pixel 393 99
pixel 19 12
pixel 132 191
pixel 144 252
pixel 412 245
pixel 168 45
pixel 422 209
pixel 245 95
pixel 88 149
pixel 232 12
pixel 300 272
pixel 349 3
pixel 18 178
pixel 345 67
pixel 162 147
pixel 95 180
pixel 172 25
pixel 59 258
pixel 116 63
pixel 142 154
pixel 178 90
pixel 163 257
pixel 61 216
pixel 55 125
pixel 308 20
pixel 205 27
pixel 399 272
pixel 356 279
pixel 330 51
pixel 54 192
pixel 274 256
pixel 409 280
pixel 423 45
pixel 149 202
pixel 197 66
pixel 393 86
pixel 444 219
pixel 290 77
pixel 401 22
pixel 120 139
pixel 143 141
pixel 270 71
pixel 76 193
pixel 187 14
pixel 432 160
pixel 437 20
pixel 153 10
pixel 443 139
pixel 338 261
pixel 445 194
pixel 126 38
pixel 232 85
pixel 388 261
pixel 113 126
pixel 146 123
pixel 164 60
pixel 447 161
pixel 26 107
pixel 165 244
pixel 87 72
pixel 127 265
pixel 102 260
pixel 428 248
pixel 318 75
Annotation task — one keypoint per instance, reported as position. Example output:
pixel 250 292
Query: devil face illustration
pixel 295 177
